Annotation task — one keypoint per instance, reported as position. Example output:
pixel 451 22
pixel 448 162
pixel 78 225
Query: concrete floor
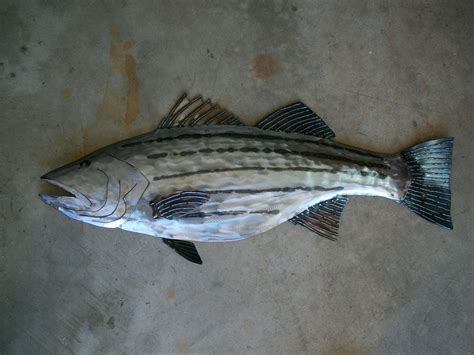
pixel 384 75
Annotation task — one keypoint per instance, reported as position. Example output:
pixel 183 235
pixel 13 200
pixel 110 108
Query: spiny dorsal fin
pixel 323 218
pixel 179 205
pixel 184 248
pixel 296 118
pixel 190 112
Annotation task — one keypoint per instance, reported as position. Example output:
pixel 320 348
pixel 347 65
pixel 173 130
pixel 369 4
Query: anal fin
pixel 184 248
pixel 323 218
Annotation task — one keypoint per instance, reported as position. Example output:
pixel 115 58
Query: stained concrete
pixel 384 75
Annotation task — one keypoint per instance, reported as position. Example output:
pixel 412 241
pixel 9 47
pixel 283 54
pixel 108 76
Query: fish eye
pixel 84 163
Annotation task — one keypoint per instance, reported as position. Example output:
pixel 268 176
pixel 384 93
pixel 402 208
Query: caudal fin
pixel 429 194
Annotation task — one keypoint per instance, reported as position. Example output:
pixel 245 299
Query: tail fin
pixel 429 194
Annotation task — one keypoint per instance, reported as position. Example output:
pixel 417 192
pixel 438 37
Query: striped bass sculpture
pixel 203 176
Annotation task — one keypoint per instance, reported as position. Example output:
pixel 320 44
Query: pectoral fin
pixel 323 218
pixel 184 204
pixel 184 248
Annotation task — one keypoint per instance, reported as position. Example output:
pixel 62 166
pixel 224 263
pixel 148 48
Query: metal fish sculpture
pixel 203 176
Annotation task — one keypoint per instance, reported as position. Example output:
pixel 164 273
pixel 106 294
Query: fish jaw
pixel 75 207
pixel 78 201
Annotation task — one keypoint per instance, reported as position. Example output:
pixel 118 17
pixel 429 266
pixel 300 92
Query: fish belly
pixel 231 214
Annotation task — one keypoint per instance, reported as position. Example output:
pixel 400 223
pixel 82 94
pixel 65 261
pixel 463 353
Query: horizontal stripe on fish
pixel 268 151
pixel 283 189
pixel 254 168
pixel 262 136
pixel 229 213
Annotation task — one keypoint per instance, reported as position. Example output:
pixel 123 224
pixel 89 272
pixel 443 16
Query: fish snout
pixel 47 176
pixel 67 198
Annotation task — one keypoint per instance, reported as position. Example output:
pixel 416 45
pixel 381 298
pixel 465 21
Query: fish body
pixel 256 179
pixel 202 178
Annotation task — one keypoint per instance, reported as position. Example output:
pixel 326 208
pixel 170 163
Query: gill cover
pixel 105 191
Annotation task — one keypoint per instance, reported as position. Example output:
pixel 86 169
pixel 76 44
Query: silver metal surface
pixel 267 177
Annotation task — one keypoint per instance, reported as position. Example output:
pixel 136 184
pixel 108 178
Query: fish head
pixel 98 189
pixel 84 183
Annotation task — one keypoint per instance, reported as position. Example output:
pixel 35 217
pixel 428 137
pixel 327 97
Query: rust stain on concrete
pixel 248 325
pixel 347 350
pixel 67 55
pixel 170 293
pixel 264 67
pixel 119 107
pixel 66 93
pixel 226 101
pixel 183 346
pixel 425 89
pixel 131 113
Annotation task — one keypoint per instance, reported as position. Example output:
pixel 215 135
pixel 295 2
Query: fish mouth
pixel 72 200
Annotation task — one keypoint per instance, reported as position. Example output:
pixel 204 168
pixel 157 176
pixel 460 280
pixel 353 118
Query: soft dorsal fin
pixel 190 112
pixel 323 218
pixel 184 248
pixel 179 205
pixel 296 118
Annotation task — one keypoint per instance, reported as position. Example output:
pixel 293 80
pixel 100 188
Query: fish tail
pixel 429 193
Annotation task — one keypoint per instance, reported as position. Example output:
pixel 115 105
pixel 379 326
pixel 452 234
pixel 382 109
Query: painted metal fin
pixel 190 112
pixel 429 194
pixel 184 248
pixel 323 218
pixel 179 205
pixel 296 118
